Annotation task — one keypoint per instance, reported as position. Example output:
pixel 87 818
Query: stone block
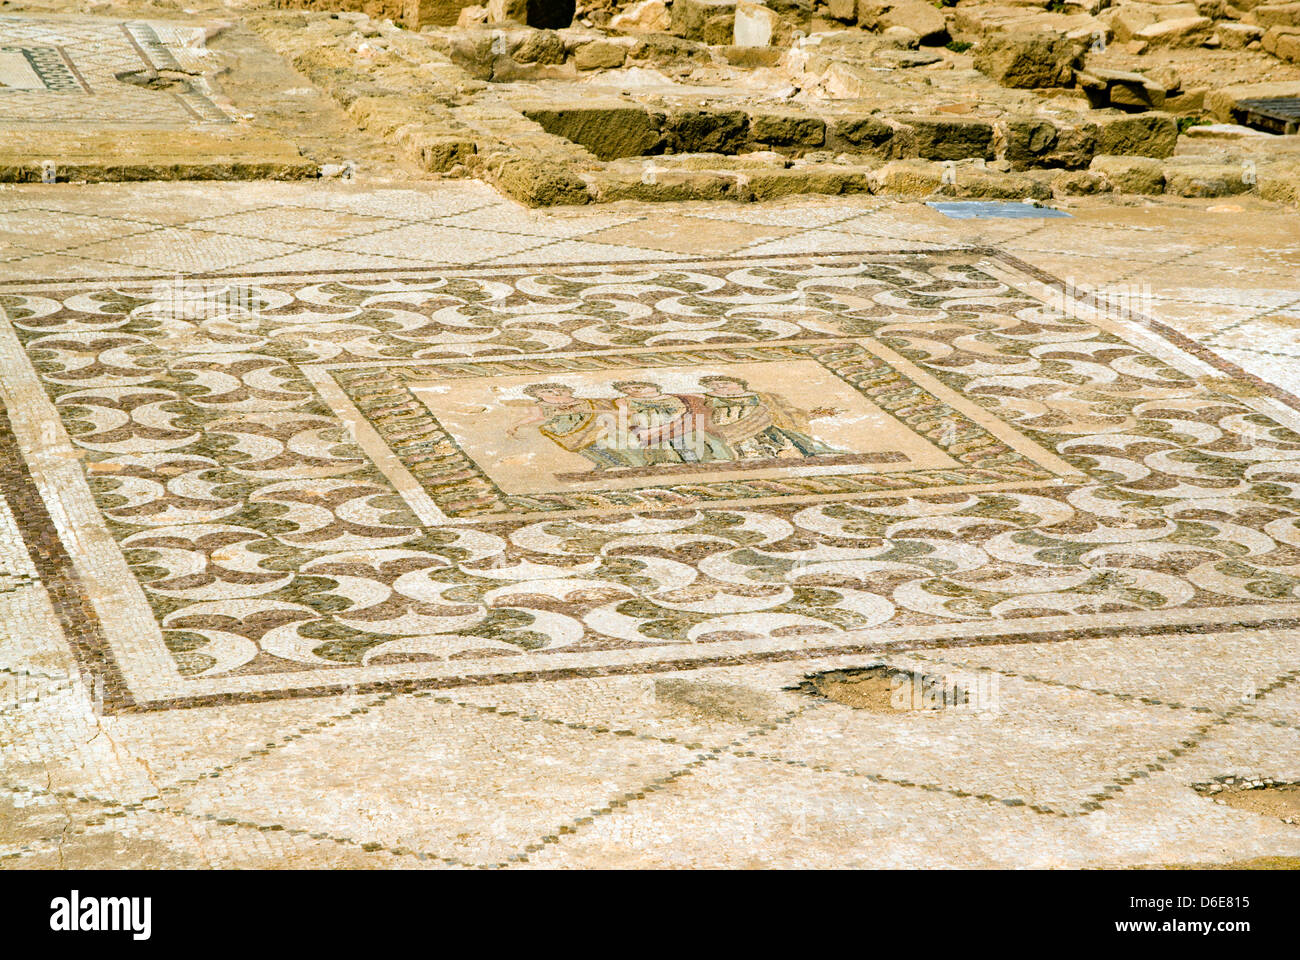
pixel 703 20
pixel 1028 60
pixel 1179 32
pixel 436 13
pixel 909 178
pixel 1131 174
pixel 1207 180
pixel 707 131
pixel 870 134
pixel 1153 134
pixel 648 16
pixel 608 129
pixel 949 138
pixel 599 55
pixel 924 19
pixel 755 25
pixel 1274 15
pixel 786 128
pixel 538 182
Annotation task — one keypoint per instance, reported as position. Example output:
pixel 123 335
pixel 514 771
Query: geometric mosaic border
pixel 48 529
pixel 462 489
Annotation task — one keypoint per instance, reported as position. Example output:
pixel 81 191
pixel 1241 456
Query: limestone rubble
pixel 674 99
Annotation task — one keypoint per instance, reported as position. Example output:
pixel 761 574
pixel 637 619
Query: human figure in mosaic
pixel 667 427
pixel 582 425
pixel 760 426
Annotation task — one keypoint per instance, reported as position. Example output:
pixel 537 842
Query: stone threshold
pixel 38 154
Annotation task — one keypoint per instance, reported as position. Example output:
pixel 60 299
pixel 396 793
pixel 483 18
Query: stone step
pixel 750 178
pixel 134 153
pixel 618 128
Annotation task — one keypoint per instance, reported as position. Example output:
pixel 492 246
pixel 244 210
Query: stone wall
pixel 376 9
pixel 412 14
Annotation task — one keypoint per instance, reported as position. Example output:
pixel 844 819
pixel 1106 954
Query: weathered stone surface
pixel 1118 88
pixel 1028 60
pixel 870 135
pixel 1131 174
pixel 662 49
pixel 1235 36
pixel 755 25
pixel 384 116
pixel 107 156
pixel 922 18
pixel 1189 101
pixel 1223 131
pixel 1274 15
pixel 1207 180
pixel 1180 32
pixel 710 21
pixel 608 129
pixel 797 14
pixel 748 160
pixel 1275 40
pixel 905 37
pixel 786 128
pixel 1079 183
pixel 471 51
pixel 647 16
pixel 439 154
pixel 751 56
pixel 845 76
pixel 1027 142
pixel 1144 135
pixel 472 16
pixel 980 20
pixel 599 55
pixel 538 183
pixel 910 178
pixel 949 138
pixel 1287 46
pixel 664 185
pixel 1126 19
pixel 1280 182
pixel 845 11
pixel 539 46
pixel 707 131
pixel 428 134
pixel 984 184
pixel 770 184
pixel 507 11
pixel 438 13
pixel 1075 147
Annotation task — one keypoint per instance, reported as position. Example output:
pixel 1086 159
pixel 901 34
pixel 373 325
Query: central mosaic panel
pixel 306 484
pixel 668 428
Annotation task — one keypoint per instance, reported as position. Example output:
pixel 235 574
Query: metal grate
pixel 1274 114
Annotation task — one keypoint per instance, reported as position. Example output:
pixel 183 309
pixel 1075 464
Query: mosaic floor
pixel 79 70
pixel 364 526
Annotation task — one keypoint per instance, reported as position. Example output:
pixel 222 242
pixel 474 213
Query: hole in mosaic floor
pixel 885 689
pixel 165 80
pixel 1269 798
